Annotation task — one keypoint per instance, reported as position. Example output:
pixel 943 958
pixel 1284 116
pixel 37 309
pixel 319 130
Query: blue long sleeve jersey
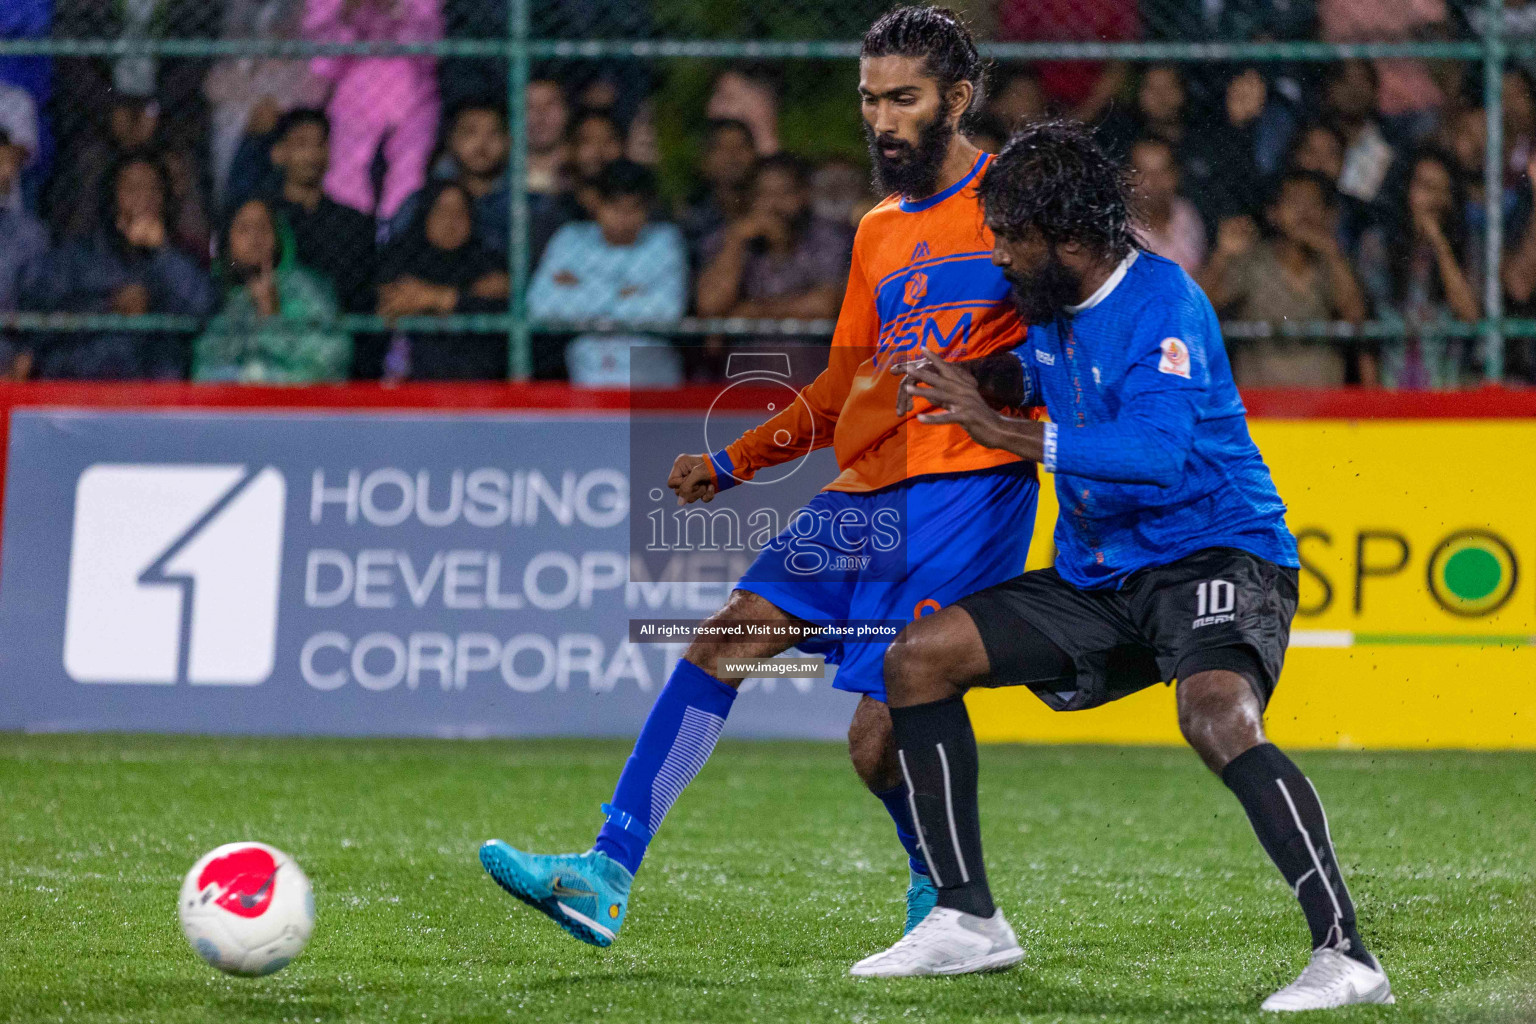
pixel 1148 438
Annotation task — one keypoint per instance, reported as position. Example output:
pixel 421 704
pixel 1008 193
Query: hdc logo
pixel 173 574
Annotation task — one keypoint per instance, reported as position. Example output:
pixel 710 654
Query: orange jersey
pixel 921 279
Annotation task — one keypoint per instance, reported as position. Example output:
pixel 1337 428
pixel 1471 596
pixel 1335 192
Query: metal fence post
pixel 1493 188
pixel 519 342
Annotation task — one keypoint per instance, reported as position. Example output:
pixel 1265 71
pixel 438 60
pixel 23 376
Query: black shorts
pixel 1218 608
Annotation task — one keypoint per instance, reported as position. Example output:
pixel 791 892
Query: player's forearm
pixel 1126 451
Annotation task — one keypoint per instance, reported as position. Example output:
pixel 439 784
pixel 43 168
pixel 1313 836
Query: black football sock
pixel 937 751
pixel 1289 820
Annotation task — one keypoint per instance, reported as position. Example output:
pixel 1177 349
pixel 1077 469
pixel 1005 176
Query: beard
pixel 914 170
pixel 1041 296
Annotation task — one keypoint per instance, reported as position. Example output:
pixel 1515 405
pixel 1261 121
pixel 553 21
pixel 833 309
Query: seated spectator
pixel 247 94
pixel 778 259
pixel 622 268
pixel 378 104
pixel 748 94
pixel 271 327
pixel 334 240
pixel 478 146
pixel 133 126
pixel 550 203
pixel 1171 226
pixel 840 191
pixel 23 239
pixel 438 266
pixel 641 143
pixel 726 173
pixel 548 120
pixel 1414 268
pixel 1017 98
pixel 1158 114
pixel 597 140
pixel 1298 275
pixel 129 266
pixel 1519 278
pixel 1350 91
pixel 1222 156
pixel 18 120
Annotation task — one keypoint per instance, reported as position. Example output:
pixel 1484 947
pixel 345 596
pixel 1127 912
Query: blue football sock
pixel 896 802
pixel 674 743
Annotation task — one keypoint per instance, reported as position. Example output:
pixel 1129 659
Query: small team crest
pixel 1175 358
pixel 921 253
pixel 917 287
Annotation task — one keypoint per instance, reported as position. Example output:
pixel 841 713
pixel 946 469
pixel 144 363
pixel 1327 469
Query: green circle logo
pixel 1472 573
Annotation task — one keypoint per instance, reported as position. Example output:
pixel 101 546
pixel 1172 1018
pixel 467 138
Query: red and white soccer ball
pixel 247 909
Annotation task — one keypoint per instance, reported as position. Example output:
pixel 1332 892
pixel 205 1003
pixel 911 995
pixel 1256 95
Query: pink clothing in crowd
pixel 388 100
pixel 1182 238
pixel 1406 84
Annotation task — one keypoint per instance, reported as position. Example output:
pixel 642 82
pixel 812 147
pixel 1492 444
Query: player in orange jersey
pixel 919 515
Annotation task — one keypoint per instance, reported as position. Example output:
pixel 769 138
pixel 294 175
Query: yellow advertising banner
pixel 1417 621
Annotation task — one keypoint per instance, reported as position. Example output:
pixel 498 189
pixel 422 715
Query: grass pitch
pixel 1131 875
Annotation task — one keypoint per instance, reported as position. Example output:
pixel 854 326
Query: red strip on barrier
pixel 554 398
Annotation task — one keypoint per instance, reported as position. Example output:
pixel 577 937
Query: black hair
pixel 1329 190
pixel 152 159
pixel 1400 231
pixel 586 114
pixel 297 118
pixel 790 164
pixel 938 36
pixel 496 108
pixel 715 125
pixel 626 178
pixel 5 137
pixel 1054 178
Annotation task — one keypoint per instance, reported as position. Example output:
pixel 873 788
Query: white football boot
pixel 1331 979
pixel 946 942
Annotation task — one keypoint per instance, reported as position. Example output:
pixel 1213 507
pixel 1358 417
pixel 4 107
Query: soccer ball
pixel 247 909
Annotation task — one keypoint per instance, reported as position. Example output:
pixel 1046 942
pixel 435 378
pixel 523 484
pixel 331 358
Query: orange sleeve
pixel 809 422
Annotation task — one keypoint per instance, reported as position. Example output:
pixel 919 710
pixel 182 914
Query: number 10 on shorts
pixel 1214 597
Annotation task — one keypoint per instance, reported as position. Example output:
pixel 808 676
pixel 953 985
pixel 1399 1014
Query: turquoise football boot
pixel 922 896
pixel 584 893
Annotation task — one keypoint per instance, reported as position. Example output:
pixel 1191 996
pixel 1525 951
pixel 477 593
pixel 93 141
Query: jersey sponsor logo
pixel 1214 603
pixel 245 880
pixel 1175 358
pixel 943 332
pixel 917 287
pixel 1045 358
pixel 922 252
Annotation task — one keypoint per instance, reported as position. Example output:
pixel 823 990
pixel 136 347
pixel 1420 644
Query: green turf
pixel 1131 875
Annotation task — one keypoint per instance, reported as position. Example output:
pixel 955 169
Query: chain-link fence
pixel 304 190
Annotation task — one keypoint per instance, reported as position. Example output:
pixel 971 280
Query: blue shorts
pixel 895 554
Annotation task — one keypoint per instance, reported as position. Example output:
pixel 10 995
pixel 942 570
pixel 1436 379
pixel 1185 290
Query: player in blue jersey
pixel 1174 560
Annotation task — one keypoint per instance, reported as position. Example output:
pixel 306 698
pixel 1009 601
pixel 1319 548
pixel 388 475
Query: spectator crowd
pixel 265 197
